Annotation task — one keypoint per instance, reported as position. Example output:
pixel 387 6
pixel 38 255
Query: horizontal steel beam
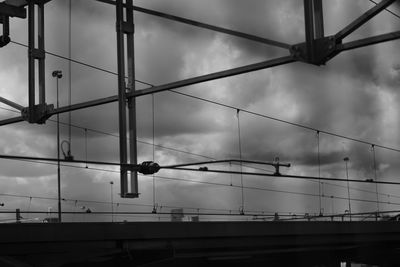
pixel 11 121
pixel 12 11
pixel 11 103
pixel 88 104
pixel 363 19
pixel 213 76
pixel 369 41
pixel 160 88
pixel 206 26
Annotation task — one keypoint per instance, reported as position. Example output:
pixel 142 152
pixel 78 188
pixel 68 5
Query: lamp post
pixel 346 160
pixel 58 75
pixel 112 202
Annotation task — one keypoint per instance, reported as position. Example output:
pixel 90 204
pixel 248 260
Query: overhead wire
pixel 192 181
pixel 357 140
pixel 386 9
pixel 229 106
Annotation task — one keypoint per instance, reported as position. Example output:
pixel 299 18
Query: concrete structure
pixel 200 243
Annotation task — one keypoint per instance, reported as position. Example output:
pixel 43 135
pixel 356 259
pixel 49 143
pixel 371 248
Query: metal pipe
pixel 11 103
pixel 123 154
pixel 205 26
pixel 134 192
pixel 225 161
pixel 216 75
pixel 41 42
pixel 31 58
pixel 58 159
pixel 362 19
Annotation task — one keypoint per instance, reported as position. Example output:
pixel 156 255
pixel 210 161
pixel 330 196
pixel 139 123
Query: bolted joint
pixel 39 114
pixel 324 50
pixel 148 167
pixel 4 40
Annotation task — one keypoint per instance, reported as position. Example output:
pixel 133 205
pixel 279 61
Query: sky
pixel 354 95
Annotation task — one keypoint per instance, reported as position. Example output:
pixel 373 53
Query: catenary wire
pixel 229 106
pixel 214 184
pixel 186 152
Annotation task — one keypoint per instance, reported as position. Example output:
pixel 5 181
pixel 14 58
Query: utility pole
pixel 346 160
pixel 58 75
pixel 112 202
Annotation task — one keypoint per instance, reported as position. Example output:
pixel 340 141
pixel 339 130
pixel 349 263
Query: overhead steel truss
pixel 317 49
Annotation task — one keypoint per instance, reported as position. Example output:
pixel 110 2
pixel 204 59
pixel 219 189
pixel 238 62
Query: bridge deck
pixel 174 243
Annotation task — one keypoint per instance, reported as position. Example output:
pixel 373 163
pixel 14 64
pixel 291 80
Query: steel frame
pixel 317 49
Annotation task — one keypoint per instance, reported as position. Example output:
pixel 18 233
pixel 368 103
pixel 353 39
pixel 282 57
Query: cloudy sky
pixel 354 95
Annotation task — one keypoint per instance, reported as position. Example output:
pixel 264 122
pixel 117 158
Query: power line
pixel 192 181
pixel 391 12
pixel 206 183
pixel 228 106
pixel 187 152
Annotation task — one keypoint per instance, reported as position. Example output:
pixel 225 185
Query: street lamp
pixel 112 202
pixel 58 75
pixel 346 160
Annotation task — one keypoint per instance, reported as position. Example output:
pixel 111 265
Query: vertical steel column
pixel 121 98
pixel 31 57
pixel 42 93
pixel 309 28
pixel 318 19
pixel 314 26
pixel 130 31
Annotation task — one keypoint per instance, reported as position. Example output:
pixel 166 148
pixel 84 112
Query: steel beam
pixel 362 19
pixel 123 153
pixel 41 74
pixel 206 26
pixel 134 192
pixel 31 57
pixel 169 86
pixel 216 75
pixel 318 19
pixel 11 120
pixel 309 29
pixel 369 41
pixel 12 11
pixel 11 103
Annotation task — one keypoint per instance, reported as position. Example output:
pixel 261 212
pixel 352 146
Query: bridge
pixel 200 243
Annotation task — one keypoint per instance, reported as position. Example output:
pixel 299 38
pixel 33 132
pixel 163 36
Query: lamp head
pixel 57 73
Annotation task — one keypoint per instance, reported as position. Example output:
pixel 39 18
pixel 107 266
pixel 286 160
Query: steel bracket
pixel 5 38
pixel 37 53
pixel 12 11
pixel 324 49
pixel 128 27
pixel 39 114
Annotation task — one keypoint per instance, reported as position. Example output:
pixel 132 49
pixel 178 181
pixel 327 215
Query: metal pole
pixel 376 185
pixel 58 161
pixel 42 91
pixel 123 153
pixel 112 202
pixel 346 159
pixel 58 75
pixel 31 58
pixel 134 192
